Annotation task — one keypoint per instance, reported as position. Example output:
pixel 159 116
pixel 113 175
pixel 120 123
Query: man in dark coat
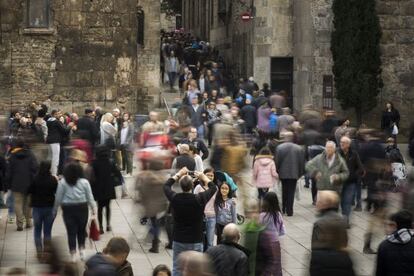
pixel 20 174
pixel 188 210
pixel 198 116
pixel 396 252
pixel 249 115
pixel 57 133
pixel 329 239
pixel 87 127
pixel 230 258
pixel 355 169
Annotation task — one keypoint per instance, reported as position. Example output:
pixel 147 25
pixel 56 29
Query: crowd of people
pixel 204 147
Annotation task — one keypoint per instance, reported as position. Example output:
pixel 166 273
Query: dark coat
pixel 229 259
pixel 328 262
pixel 197 116
pixel 43 191
pixel 88 130
pixel 56 131
pixel 396 256
pixel 98 265
pixel 329 231
pixel 104 172
pixel 249 114
pixel 199 145
pixel 184 160
pixel 21 170
pixel 3 169
pixel 389 118
pixel 354 165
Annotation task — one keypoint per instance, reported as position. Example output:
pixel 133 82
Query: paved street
pixel 17 248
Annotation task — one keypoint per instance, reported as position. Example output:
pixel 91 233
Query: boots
pixel 367 244
pixel 155 246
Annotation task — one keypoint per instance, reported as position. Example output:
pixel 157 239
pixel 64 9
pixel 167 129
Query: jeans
pixel 155 228
pixel 358 192
pixel 43 220
pixel 54 154
pixel 348 192
pixel 200 131
pixel 178 248
pixel 210 230
pixel 22 209
pixel 107 205
pixel 288 195
pixel 76 218
pixel 10 203
pixel 172 77
pixel 126 159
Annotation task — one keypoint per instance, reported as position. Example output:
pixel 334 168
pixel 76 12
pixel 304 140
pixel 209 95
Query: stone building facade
pixel 79 53
pixel 287 44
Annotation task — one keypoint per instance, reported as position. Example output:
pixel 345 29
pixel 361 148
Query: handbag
pixel 116 177
pixel 94 233
pixel 394 130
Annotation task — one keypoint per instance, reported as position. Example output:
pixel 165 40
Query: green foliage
pixel 356 54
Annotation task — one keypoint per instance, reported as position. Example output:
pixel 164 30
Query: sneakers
pixel 82 254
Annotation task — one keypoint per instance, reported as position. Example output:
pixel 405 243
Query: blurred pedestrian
pixel 42 193
pixel 106 175
pixel 161 270
pixel 21 171
pixel 74 194
pixel 229 257
pixel 396 252
pixel 329 254
pixel 271 218
pixel 194 263
pixel 290 162
pixel 112 261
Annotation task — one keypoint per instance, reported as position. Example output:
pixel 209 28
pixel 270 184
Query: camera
pixel 192 174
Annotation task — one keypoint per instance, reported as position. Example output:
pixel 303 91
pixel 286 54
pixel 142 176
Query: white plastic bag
pixel 394 130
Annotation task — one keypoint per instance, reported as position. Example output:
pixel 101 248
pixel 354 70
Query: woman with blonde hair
pixel 108 130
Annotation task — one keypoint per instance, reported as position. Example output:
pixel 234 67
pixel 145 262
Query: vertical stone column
pixel 303 39
pixel 148 58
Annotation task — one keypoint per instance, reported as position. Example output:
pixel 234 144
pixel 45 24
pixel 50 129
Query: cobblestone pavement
pixel 17 248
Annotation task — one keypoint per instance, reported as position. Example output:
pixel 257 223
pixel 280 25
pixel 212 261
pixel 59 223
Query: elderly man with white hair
pixel 355 169
pixel 329 169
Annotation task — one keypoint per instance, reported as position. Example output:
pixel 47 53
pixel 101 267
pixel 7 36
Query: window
pixel 328 92
pixel 38 13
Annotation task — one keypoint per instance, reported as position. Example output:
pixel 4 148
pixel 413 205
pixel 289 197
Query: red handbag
pixel 94 231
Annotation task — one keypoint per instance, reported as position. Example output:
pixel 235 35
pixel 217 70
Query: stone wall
pixel 397 46
pixel 89 56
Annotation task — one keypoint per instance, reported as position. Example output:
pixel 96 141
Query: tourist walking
pixel 74 195
pixel 105 176
pixel 42 193
pixel 21 170
pixel 290 163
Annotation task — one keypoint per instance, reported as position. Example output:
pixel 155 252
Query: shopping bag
pixel 394 130
pixel 94 230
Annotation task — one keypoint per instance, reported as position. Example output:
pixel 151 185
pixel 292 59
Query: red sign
pixel 246 16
